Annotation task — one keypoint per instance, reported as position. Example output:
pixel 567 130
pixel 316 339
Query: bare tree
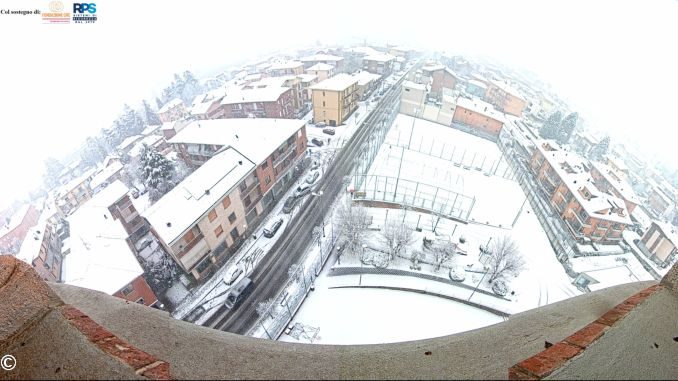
pixel 266 307
pixel 415 258
pixel 504 259
pixel 396 236
pixel 443 251
pixel 353 222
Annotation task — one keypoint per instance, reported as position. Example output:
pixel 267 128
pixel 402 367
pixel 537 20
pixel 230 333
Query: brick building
pixel 659 243
pixel 439 77
pixel 478 115
pixel 13 229
pixel 505 98
pixel 588 212
pixel 172 110
pixel 42 250
pixel 267 102
pixel 336 61
pixel 613 181
pixel 286 68
pixel 321 70
pixel 381 64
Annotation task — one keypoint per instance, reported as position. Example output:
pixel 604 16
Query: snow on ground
pixel 611 270
pixel 142 202
pixel 370 316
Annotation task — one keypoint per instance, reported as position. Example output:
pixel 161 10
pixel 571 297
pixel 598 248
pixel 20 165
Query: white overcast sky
pixel 616 61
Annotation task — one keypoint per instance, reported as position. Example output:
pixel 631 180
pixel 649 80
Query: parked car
pixel 135 193
pixel 302 190
pixel 317 142
pixel 271 230
pixel 329 131
pixel 312 177
pixel 320 124
pixel 144 244
pixel 289 204
pixel 230 278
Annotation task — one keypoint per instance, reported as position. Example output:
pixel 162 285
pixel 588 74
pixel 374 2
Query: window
pixel 268 180
pixel 203 265
pixel 212 216
pixel 218 231
pixel 264 165
pixel 127 290
pixel 232 218
pixel 226 202
pixel 323 96
pixel 141 301
pixel 323 103
pixel 234 234
pixel 243 185
pixel 189 236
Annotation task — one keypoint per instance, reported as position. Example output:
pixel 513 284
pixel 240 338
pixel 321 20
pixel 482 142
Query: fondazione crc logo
pixel 83 13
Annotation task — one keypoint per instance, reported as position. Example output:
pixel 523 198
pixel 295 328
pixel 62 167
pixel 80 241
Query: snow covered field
pixel 371 316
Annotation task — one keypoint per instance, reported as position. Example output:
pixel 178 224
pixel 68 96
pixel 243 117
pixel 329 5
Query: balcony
pixel 288 152
pixel 167 348
pixel 547 186
pixel 253 183
pixel 187 249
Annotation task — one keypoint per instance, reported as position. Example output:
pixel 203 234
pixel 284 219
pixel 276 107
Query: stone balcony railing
pixel 58 331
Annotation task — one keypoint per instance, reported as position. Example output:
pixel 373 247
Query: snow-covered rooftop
pixel 150 130
pixel 365 77
pixel 413 85
pixel 148 140
pixel 170 105
pixel 109 195
pixel 320 57
pixel 381 57
pixel 670 231
pixel 481 107
pixel 571 169
pixel 182 207
pixel 105 174
pixel 15 220
pixel 30 247
pixel 100 258
pixel 505 87
pixel 129 141
pixel 617 181
pixel 256 138
pixel 307 77
pixel 433 67
pixel 339 82
pixel 320 67
pixel 364 50
pixel 265 94
pixel 69 186
pixel 286 65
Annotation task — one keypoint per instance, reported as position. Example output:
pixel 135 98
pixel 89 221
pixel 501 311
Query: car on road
pixel 302 190
pixel 232 276
pixel 289 204
pixel 320 124
pixel 312 177
pixel 270 231
pixel 317 142
pixel 329 131
pixel 239 292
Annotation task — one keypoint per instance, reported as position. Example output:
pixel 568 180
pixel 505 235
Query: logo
pixel 8 362
pixel 84 13
pixel 56 6
pixel 56 15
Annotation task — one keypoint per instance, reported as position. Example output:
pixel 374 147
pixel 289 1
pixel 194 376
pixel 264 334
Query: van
pixel 239 292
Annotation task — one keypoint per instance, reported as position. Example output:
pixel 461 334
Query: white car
pixel 312 177
pixel 232 276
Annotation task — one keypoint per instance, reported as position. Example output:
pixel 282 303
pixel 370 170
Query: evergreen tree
pixel 52 170
pixel 567 128
pixel 159 103
pixel 550 129
pixel 93 151
pixel 150 115
pixel 600 149
pixel 157 173
pixel 130 121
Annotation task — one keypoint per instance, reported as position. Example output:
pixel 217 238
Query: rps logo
pixel 91 8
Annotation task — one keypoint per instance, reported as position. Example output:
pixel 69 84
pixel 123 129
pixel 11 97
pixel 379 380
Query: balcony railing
pixel 253 203
pixel 548 187
pixel 574 227
pixel 580 220
pixel 291 149
pixel 250 187
pixel 190 245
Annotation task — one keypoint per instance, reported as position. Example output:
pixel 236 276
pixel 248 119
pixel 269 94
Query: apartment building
pixel 336 61
pixel 439 77
pixel 613 181
pixel 505 98
pixel 307 81
pixel 478 115
pixel 335 99
pixel 286 68
pixel 321 70
pixel 476 88
pixel 293 82
pixel 660 242
pixel 267 102
pixel 246 165
pixel 172 110
pixel 588 212
pixel 114 171
pixel 13 229
pixel 42 250
pixel 73 194
pixel 102 256
pixel 412 98
pixel 381 64
pixel 659 203
pixel 367 83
